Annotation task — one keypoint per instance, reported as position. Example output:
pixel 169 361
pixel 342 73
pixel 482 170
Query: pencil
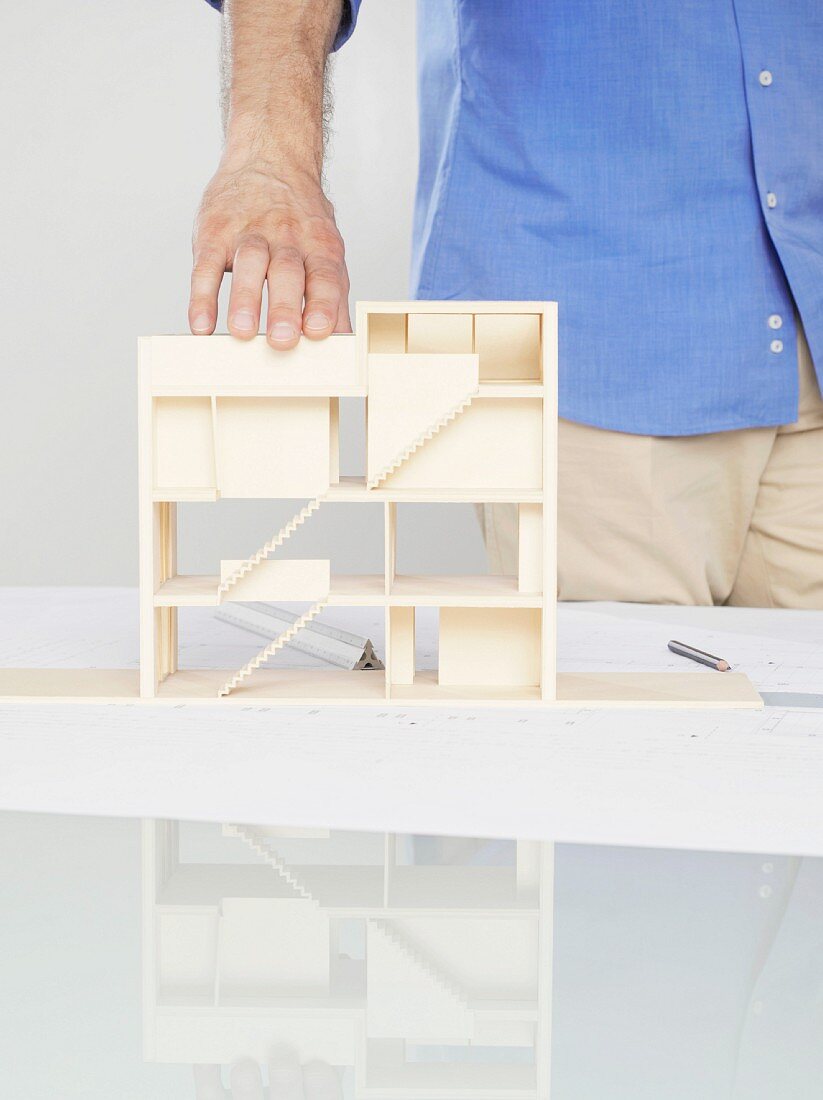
pixel 683 650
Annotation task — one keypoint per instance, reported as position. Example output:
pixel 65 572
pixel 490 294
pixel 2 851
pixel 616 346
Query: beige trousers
pixel 729 517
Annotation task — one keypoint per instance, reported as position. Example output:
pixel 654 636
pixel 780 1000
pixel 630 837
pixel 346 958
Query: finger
pixel 286 281
pixel 206 277
pixel 343 315
pixel 285 1075
pixel 246 1080
pixel 324 289
pixel 320 1082
pixel 207 1083
pixel 251 261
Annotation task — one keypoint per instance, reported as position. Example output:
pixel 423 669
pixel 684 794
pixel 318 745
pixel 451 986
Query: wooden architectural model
pixel 460 405
pixel 428 980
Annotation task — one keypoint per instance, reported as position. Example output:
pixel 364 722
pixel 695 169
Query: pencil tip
pixel 723 666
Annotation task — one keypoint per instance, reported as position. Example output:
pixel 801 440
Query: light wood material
pixel 489 646
pixel 657 689
pixel 548 355
pixel 183 443
pixel 73 685
pixel 221 365
pixel 168 568
pixel 440 333
pixel 390 545
pixel 491 444
pixel 411 398
pixel 354 489
pixel 280 581
pixel 287 686
pixel 369 590
pixel 508 345
pixel 462 406
pixel 334 440
pixel 387 333
pixel 530 548
pixel 306 687
pixel 273 447
pixel 401 627
pixel 346 590
pixel 447 591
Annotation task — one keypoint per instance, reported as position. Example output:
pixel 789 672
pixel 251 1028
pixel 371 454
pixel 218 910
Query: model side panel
pixel 147 513
pixel 549 371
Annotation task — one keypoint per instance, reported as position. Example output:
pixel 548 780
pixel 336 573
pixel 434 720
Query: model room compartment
pixel 183 457
pixel 273 446
pixel 509 339
pixel 492 443
pixel 497 646
pixel 243 447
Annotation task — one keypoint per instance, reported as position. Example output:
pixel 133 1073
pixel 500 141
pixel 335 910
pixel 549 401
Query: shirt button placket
pixel 765 79
pixel 775 320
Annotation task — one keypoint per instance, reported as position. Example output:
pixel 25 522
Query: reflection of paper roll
pixel 327 643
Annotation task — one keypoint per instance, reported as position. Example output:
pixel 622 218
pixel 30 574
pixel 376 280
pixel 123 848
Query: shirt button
pixel 767 868
pixel 771 200
pixel 775 321
pixel 776 346
pixel 765 78
pixel 765 891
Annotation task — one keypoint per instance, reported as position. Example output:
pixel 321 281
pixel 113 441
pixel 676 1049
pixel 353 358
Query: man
pixel 656 169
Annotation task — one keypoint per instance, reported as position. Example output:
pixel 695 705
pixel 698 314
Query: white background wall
pixel 110 129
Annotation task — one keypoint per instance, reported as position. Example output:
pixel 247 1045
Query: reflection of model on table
pixel 287 1080
pixel 417 969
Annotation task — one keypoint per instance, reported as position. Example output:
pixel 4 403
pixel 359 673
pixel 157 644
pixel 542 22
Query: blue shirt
pixel 655 166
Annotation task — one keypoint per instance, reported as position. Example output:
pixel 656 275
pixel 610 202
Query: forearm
pixel 274 62
pixel 264 215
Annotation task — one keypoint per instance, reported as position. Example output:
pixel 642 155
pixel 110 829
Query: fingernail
pixel 316 321
pixel 201 323
pixel 282 331
pixel 243 321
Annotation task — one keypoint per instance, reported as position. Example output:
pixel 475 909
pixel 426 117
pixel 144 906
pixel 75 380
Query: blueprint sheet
pixel 721 780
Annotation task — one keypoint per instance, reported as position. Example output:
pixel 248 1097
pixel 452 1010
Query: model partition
pixel 459 406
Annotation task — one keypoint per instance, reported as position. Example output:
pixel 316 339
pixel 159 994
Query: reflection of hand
pixel 288 1080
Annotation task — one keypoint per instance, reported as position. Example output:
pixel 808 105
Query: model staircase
pixel 417 443
pixel 269 547
pixel 272 648
pixel 245 568
pixel 432 971
pixel 247 835
pixel 311 507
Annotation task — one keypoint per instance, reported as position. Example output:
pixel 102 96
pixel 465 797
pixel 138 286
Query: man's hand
pixel 264 215
pixel 270 227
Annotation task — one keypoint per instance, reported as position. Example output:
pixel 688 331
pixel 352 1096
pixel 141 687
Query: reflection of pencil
pixel 683 650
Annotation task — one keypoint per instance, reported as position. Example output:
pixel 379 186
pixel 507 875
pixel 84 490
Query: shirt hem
pixel 733 425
